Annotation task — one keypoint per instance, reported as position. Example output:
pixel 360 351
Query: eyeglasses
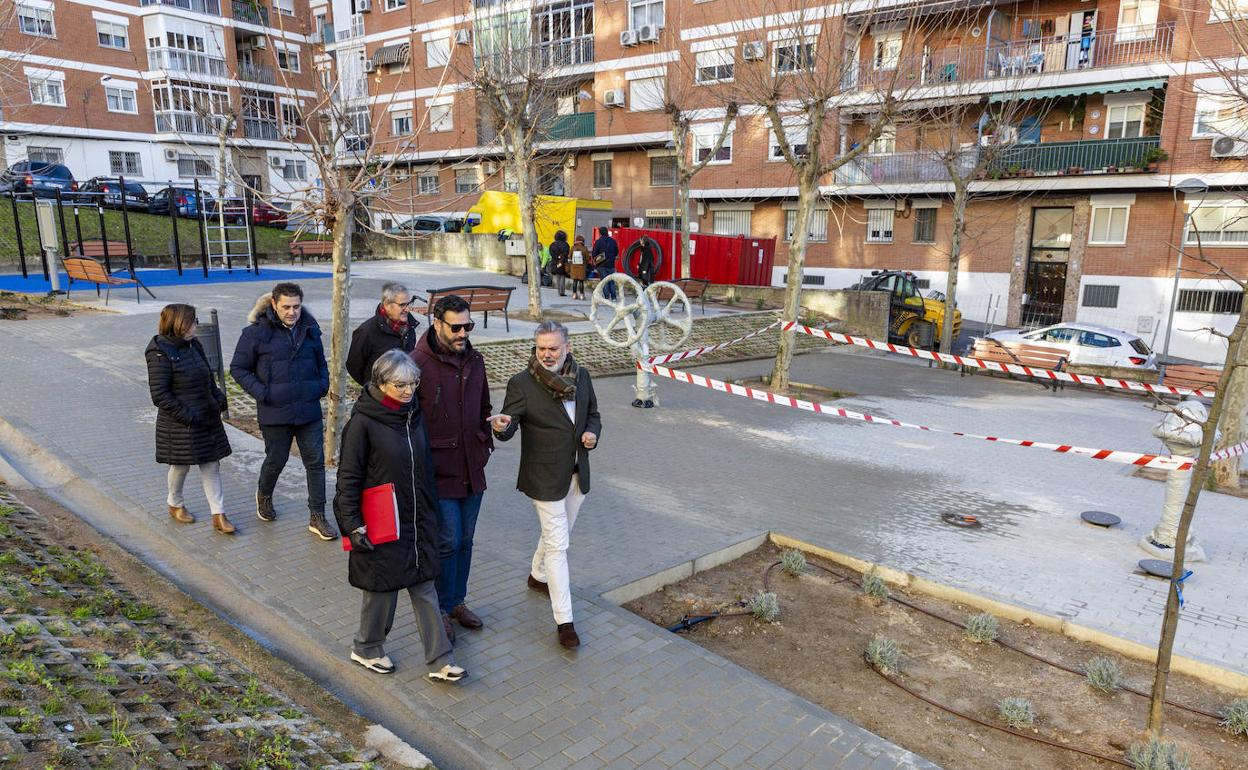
pixel 457 328
pixel 405 385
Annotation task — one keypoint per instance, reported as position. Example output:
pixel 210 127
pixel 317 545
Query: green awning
pixel 1057 93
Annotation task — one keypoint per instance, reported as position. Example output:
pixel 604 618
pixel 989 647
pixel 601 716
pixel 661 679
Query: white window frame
pixel 1143 26
pixel 881 225
pixel 291 114
pixel 294 170
pixel 1105 214
pixel 1219 115
pixel 119 93
pixel 112 30
pixel 1227 10
pixel 199 167
pixel 1232 212
pixel 647 9
pixel 795 131
pixel 1119 114
pixel 46 154
pixel 440 113
pixel 41 14
pixel 718 65
pixel 286 7
pixel 37 82
pixel 804 45
pixel 401 123
pixel 610 173
pixel 886 142
pixel 285 57
pixel 647 94
pixel 394 5
pixel 935 222
pixel 461 189
pixel 704 136
pixel 438 51
pixel 422 183
pixel 886 50
pixel 119 163
pixel 736 217
pixel 817 232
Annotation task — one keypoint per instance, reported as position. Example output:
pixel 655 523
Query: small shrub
pixel 883 654
pixel 874 587
pixel 1103 674
pixel 206 674
pixel 982 628
pixel 1235 718
pixel 1157 755
pixel 793 562
pixel 25 628
pixel 1016 712
pixel 759 304
pixel 764 606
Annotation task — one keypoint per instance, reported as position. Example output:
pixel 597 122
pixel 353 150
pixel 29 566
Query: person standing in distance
pixel 552 403
pixel 455 400
pixel 605 252
pixel 280 361
pixel 391 327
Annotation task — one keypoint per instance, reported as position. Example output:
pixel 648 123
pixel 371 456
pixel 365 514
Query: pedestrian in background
pixel 280 361
pixel 578 267
pixel 604 255
pixel 560 254
pixel 188 404
pixel 391 326
pixel 384 443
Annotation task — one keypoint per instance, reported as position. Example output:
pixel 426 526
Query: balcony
pixel 250 12
pixel 1076 157
pixel 177 60
pixel 256 73
pixel 902 167
pixel 1018 59
pixel 560 53
pixel 199 6
pixel 185 123
pixel 579 125
pixel 255 128
pixel 327 34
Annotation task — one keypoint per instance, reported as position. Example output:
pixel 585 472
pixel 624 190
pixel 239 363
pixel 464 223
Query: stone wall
pixel 863 313
pixel 480 252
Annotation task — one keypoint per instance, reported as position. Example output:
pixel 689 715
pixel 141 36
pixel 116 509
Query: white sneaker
pixel 448 673
pixel 382 665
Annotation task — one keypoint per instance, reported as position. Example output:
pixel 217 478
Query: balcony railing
pixel 1090 155
pixel 256 73
pixel 327 34
pixel 178 60
pixel 893 168
pixel 254 128
pixel 576 126
pixel 200 6
pixel 559 53
pixel 1017 59
pixel 251 12
pixel 185 123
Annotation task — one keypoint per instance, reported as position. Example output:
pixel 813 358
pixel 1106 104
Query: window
pixel 121 99
pixel 602 174
pixel 1097 340
pixel 35 21
pixel 193 166
pixel 400 123
pixel 646 94
pixel 663 171
pixel 295 170
pixel 1109 225
pixel 288 59
pixel 1124 121
pixel 714 66
pixel 704 138
pixel 466 180
pixel 1223 10
pixel 392 5
pixel 47 90
pixel 641 12
pixel 292 116
pixel 127 163
pixel 888 51
pixel 793 55
pixel 730 222
pixel 795 132
pixel 45 155
pixel 1100 295
pixel 285 6
pixel 1219 223
pixel 880 225
pixel 440 117
pixel 886 142
pixel 427 183
pixel 438 52
pixel 817 229
pixel 1210 301
pixel 1220 115
pixel 112 35
pixel 924 225
pixel 1137 20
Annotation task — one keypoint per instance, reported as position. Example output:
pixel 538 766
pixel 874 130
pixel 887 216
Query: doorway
pixel 1044 286
pixel 1081 42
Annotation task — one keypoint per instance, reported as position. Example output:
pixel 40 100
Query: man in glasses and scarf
pixel 553 401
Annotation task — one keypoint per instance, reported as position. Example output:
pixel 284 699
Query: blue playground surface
pixel 155 277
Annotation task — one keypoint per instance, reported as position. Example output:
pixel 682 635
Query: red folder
pixel 380 508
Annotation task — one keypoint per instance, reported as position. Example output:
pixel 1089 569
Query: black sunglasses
pixel 457 328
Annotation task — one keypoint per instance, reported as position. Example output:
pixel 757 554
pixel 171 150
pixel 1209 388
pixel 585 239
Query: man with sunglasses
pixel 455 401
pixel 391 327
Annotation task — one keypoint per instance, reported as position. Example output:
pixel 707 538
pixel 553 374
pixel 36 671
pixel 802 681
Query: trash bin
pixel 209 335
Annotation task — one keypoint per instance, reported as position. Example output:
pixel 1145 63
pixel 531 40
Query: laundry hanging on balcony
pixel 393 54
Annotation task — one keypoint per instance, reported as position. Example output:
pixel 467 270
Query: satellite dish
pixel 976 31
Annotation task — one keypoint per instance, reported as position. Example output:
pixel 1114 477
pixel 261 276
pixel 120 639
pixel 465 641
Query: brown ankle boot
pixel 181 515
pixel 222 524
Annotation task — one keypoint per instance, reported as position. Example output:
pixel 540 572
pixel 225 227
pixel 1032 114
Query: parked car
pixel 39 179
pixel 188 203
pixel 266 214
pixel 428 223
pixel 108 190
pixel 1088 344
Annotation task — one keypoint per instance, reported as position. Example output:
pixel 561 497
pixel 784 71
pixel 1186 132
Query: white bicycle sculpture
pixel 641 320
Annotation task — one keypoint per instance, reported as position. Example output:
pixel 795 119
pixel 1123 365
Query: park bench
pixel 88 270
pixel 318 250
pixel 1020 354
pixel 1193 377
pixel 482 298
pixel 694 289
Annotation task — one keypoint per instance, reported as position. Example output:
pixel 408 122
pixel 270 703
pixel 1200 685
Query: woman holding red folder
pixel 385 505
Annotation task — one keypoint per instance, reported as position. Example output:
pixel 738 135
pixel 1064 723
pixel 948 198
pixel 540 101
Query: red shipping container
pixel 721 259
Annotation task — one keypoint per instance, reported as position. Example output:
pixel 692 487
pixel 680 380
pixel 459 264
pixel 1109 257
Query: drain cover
pixel 1157 568
pixel 1100 518
pixel 964 520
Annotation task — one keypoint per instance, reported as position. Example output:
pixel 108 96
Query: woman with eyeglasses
pixel 385 470
pixel 188 413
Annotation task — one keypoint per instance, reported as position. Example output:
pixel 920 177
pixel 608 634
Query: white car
pixel 1088 344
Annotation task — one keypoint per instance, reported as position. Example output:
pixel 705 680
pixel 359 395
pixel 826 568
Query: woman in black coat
pixel 383 443
pixel 188 413
pixel 560 259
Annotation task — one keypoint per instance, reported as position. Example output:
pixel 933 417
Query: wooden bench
pixel 316 249
pixel 483 298
pixel 1020 354
pixel 88 270
pixel 694 289
pixel 1193 377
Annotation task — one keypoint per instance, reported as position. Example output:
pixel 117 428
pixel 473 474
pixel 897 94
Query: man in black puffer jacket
pixel 280 361
pixel 391 327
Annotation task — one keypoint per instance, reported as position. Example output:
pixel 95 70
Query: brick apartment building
pixel 130 87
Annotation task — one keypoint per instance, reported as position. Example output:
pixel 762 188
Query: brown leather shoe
pixel 466 617
pixel 538 586
pixel 181 515
pixel 567 635
pixel 222 524
pixel 448 628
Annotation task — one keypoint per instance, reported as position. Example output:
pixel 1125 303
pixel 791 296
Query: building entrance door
pixel 1044 288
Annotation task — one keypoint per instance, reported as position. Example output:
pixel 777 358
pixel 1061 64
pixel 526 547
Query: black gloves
pixel 360 542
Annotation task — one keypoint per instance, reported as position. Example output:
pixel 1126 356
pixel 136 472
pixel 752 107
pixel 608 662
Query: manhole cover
pixel 1100 518
pixel 964 520
pixel 1157 568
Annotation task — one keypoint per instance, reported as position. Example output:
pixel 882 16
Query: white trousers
pixel 209 474
pixel 550 560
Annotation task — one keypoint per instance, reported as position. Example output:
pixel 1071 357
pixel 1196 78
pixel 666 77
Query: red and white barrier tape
pixel 1162 462
pixel 670 357
pixel 1026 371
pixel 1229 452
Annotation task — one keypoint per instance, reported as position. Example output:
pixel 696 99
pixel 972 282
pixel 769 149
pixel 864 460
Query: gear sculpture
pixel 658 317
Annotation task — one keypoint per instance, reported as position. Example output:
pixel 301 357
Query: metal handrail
pixel 179 60
pixel 199 6
pixel 246 10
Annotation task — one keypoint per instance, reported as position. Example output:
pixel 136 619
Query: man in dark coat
pixel 392 326
pixel 280 361
pixel 455 400
pixel 553 402
pixel 560 259
pixel 605 252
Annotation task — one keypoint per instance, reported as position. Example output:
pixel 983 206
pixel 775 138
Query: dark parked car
pixel 108 190
pixel 429 223
pixel 187 203
pixel 40 179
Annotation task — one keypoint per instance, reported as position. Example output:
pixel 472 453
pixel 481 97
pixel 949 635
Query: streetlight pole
pixel 1189 186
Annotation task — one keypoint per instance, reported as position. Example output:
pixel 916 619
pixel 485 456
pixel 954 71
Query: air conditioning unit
pixel 259 43
pixel 628 38
pixel 463 36
pixel 171 156
pixel 1228 147
pixel 363 6
pixel 647 33
pixel 754 50
pixel 276 162
pixel 370 65
pixel 614 97
pixel 491 168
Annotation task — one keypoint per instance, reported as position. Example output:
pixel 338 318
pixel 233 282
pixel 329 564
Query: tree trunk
pixel 528 221
pixel 806 191
pixel 686 255
pixel 340 325
pixel 1226 472
pixel 1170 621
pixel 955 256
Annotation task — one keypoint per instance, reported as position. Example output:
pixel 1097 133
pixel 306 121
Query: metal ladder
pixel 228 234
